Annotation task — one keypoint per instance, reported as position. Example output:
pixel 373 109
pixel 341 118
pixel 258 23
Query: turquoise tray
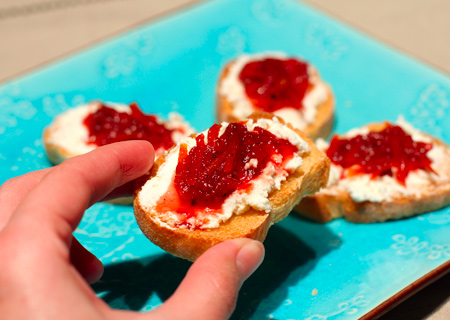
pixel 312 271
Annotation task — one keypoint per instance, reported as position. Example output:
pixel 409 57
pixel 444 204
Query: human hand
pixel 45 269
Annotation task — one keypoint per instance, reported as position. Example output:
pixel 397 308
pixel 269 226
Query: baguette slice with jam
pixel 86 127
pixel 382 172
pixel 273 82
pixel 233 181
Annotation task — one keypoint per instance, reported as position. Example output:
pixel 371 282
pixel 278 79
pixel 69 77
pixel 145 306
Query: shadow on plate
pixel 288 259
pixel 129 284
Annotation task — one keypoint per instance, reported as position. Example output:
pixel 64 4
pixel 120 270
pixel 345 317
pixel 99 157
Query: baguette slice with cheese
pixel 315 119
pixel 361 198
pixel 67 136
pixel 248 219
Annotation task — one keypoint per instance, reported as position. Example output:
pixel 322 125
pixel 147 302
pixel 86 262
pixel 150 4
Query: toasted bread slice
pixel 191 243
pixel 426 192
pixel 229 110
pixel 67 137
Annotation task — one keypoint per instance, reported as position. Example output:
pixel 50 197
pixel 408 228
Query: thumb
pixel 210 288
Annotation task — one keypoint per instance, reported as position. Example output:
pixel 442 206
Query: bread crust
pixel 337 202
pixel 254 224
pixel 320 128
pixel 55 153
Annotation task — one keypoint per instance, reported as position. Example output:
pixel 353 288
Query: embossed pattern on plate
pixel 311 271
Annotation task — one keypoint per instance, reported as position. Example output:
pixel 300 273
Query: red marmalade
pixel 273 84
pixel 389 152
pixel 107 125
pixel 214 169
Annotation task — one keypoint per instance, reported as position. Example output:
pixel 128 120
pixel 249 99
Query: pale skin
pixel 45 270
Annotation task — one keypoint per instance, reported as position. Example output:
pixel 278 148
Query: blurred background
pixel 35 32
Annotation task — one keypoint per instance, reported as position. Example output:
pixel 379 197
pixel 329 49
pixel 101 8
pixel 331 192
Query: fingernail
pixel 249 257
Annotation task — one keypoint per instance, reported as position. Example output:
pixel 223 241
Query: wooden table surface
pixel 35 32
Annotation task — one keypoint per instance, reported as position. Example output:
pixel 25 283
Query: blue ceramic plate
pixel 338 270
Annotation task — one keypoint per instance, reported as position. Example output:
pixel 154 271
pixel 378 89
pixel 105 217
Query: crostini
pixel 86 127
pixel 381 172
pixel 273 82
pixel 234 180
pixel 89 126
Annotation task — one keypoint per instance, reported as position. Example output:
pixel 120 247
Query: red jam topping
pixel 389 152
pixel 273 84
pixel 107 125
pixel 211 171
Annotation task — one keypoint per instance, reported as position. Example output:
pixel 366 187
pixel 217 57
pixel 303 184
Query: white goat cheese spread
pixel 363 187
pixel 231 88
pixel 237 202
pixel 69 132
